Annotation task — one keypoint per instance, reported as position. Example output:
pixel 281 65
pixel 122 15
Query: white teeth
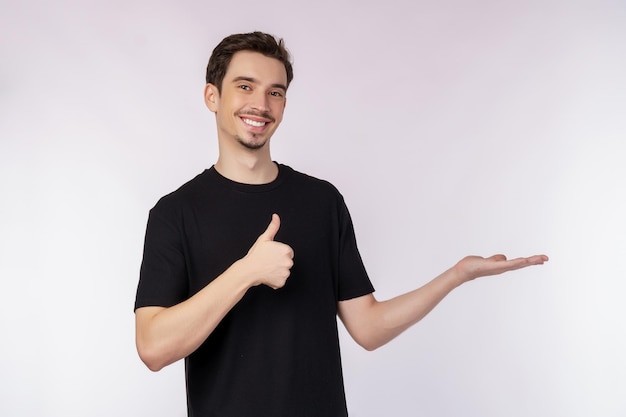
pixel 253 123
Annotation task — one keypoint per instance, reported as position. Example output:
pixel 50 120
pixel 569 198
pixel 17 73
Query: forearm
pixel 165 335
pixel 373 323
pixel 394 316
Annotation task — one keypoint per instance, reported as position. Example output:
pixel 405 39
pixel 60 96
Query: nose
pixel 260 101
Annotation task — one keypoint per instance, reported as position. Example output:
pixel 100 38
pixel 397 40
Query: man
pixel 247 266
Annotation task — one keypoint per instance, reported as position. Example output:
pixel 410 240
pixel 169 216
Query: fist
pixel 269 261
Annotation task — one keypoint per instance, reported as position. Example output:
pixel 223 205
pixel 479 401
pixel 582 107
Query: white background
pixel 451 128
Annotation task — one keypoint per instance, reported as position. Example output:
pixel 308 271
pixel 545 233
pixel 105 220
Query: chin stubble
pixel 252 146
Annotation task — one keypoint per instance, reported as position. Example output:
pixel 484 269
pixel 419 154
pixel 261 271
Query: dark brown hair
pixel 260 42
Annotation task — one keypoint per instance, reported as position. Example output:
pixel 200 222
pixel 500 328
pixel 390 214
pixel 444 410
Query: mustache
pixel 264 115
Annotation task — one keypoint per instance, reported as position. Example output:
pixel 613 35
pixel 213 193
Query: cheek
pixel 278 110
pixel 226 118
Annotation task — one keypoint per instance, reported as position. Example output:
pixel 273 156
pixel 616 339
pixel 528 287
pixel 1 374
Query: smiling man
pixel 247 266
pixel 250 102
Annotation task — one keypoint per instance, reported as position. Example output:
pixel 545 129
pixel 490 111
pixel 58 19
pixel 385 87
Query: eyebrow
pixel 255 81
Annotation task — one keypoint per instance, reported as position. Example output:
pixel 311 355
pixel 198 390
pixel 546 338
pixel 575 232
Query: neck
pixel 252 168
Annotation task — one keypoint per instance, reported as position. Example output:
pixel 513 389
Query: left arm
pixel 372 323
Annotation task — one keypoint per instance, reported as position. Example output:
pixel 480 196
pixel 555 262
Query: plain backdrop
pixel 450 127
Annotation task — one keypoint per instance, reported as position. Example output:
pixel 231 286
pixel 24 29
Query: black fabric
pixel 276 353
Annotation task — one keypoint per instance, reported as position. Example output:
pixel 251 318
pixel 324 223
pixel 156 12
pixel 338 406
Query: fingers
pixel 537 259
pixel 472 267
pixel 531 260
pixel 272 229
pixel 518 263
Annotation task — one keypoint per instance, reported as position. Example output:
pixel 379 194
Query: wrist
pixel 457 276
pixel 241 274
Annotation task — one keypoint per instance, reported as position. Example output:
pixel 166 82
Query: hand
pixel 472 267
pixel 270 262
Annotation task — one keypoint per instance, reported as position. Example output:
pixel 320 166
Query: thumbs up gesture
pixel 269 262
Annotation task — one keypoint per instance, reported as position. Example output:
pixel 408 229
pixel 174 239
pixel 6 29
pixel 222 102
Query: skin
pixel 254 92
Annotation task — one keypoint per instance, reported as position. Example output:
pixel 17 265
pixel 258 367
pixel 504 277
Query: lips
pixel 255 119
pixel 254 123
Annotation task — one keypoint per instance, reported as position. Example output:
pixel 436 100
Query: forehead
pixel 255 65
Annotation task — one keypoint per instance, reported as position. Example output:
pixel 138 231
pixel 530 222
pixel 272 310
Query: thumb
pixel 272 229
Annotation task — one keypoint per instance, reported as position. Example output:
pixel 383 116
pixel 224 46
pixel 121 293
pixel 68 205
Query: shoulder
pixel 185 195
pixel 309 182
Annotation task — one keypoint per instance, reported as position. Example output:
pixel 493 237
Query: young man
pixel 247 266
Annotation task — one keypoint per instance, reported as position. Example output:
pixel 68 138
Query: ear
pixel 211 97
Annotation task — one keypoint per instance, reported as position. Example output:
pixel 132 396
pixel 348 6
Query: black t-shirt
pixel 276 353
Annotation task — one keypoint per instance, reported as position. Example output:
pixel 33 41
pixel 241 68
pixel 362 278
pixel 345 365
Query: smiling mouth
pixel 254 123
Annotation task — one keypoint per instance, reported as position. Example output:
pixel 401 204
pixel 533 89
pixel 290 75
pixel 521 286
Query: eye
pixel 245 87
pixel 276 94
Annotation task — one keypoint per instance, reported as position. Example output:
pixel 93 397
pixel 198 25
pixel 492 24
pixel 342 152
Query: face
pixel 251 104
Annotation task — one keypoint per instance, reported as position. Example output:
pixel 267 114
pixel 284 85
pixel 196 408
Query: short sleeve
pixel 163 277
pixel 353 279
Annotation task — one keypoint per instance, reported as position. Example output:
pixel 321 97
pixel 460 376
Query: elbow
pixel 150 357
pixel 154 351
pixel 368 342
pixel 365 320
pixel 154 366
pixel 375 335
pixel 370 346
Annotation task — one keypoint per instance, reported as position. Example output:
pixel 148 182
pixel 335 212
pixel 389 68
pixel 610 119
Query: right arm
pixel 165 335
